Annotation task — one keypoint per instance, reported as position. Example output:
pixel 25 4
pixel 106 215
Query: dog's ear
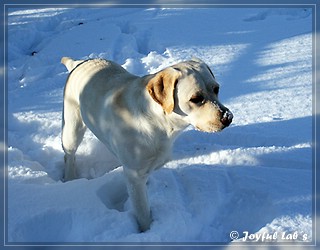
pixel 161 88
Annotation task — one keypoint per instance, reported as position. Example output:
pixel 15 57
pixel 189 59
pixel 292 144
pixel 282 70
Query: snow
pixel 255 176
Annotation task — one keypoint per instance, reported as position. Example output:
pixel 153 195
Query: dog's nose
pixel 227 118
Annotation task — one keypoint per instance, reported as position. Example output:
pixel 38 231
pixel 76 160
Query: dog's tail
pixel 70 63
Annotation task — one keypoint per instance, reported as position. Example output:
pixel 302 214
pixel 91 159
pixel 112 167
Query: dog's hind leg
pixel 73 130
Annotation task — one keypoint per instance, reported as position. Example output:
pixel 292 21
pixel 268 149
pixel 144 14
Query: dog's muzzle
pixel 227 118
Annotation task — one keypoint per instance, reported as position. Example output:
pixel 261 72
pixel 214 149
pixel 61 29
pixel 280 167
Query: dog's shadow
pixel 113 194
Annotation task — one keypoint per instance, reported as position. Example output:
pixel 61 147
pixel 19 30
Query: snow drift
pixel 254 177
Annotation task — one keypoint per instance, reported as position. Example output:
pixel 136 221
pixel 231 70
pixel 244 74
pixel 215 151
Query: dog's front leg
pixel 137 190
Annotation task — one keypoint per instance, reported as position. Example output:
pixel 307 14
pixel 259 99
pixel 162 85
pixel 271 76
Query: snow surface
pixel 255 176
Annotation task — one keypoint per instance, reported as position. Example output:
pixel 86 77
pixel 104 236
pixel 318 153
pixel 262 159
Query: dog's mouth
pixel 213 128
pixel 218 125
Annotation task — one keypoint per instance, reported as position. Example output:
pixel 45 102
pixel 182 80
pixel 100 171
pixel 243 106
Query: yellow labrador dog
pixel 137 118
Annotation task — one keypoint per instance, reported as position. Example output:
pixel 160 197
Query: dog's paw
pixel 145 224
pixel 69 177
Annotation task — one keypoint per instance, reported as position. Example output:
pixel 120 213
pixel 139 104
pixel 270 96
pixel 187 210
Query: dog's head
pixel 190 90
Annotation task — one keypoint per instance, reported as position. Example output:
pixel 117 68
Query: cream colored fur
pixel 137 118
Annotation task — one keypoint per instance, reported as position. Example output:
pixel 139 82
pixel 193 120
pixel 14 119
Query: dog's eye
pixel 216 90
pixel 197 99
